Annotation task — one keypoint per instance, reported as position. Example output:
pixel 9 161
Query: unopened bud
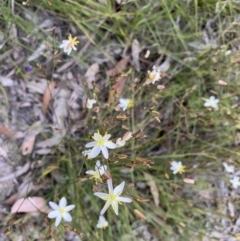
pixel 221 82
pixel 127 136
pixel 140 214
pixel 122 156
pixel 189 181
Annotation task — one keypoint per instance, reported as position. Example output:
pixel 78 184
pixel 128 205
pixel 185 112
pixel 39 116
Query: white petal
pixel 67 217
pixel 106 137
pixel 118 189
pixel 124 199
pixel 96 136
pixel 228 168
pixel 64 44
pixel 110 145
pixel 53 214
pixel 102 195
pixel 58 220
pixel 110 186
pixel 107 204
pixel 95 151
pixel 115 207
pixel 206 104
pixel 123 103
pixel 104 151
pixel 91 144
pixel 74 48
pixel 90 172
pixel 69 208
pixel 102 169
pixel 98 165
pixel 174 163
pixel 212 98
pixel 54 206
pixel 99 225
pixel 63 202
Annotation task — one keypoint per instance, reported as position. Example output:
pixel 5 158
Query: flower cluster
pixel 113 198
pixel 102 143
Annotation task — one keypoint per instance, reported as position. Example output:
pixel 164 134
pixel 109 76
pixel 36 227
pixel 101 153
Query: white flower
pixel 212 102
pixel 69 44
pixel 60 211
pixel 228 168
pixel 87 153
pixel 90 103
pixel 102 222
pixel 235 182
pixel 120 142
pixel 101 144
pixel 113 198
pixel 125 103
pixel 99 171
pixel 177 167
pixel 153 75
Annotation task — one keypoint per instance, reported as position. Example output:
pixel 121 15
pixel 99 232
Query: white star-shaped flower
pixel 101 144
pixel 99 171
pixel 69 45
pixel 177 167
pixel 228 168
pixel 125 103
pixel 60 211
pixel 235 182
pixel 153 75
pixel 212 102
pixel 102 222
pixel 113 198
pixel 90 103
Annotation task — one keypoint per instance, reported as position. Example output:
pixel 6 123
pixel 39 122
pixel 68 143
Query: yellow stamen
pixel 61 210
pixel 130 104
pixel 151 76
pixel 181 169
pixel 112 197
pixel 72 41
